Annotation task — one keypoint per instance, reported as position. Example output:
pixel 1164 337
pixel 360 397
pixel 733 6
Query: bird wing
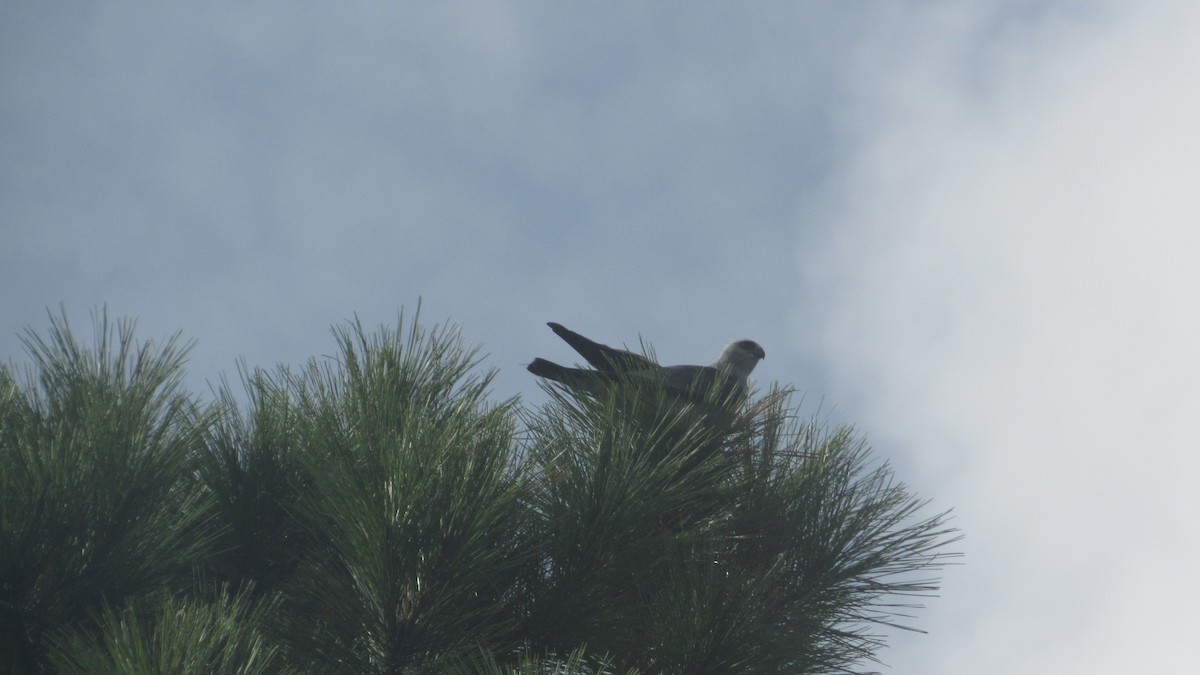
pixel 602 357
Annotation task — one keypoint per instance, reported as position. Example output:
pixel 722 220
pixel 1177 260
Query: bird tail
pixel 573 377
pixel 547 369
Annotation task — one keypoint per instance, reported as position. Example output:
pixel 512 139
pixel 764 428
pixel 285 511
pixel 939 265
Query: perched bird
pixel 729 374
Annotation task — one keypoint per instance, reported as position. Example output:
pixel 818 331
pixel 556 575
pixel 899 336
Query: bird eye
pixel 752 347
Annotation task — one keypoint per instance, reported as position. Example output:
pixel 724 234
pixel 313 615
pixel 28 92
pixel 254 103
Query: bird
pixel 728 375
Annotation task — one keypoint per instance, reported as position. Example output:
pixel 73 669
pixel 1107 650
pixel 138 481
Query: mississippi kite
pixel 729 373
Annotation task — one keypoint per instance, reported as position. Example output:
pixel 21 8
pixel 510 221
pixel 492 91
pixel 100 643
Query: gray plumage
pixel 730 372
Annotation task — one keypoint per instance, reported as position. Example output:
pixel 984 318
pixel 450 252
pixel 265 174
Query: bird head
pixel 740 357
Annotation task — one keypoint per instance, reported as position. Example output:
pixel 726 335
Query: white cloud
pixel 1012 288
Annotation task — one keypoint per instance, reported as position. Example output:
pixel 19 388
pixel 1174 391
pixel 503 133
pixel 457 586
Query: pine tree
pixel 377 512
pixel 93 510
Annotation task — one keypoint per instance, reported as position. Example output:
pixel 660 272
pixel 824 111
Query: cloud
pixel 249 175
pixel 1009 288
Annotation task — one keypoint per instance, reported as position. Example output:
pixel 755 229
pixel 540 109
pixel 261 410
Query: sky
pixel 968 228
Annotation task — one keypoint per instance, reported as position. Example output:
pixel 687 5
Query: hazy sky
pixel 970 228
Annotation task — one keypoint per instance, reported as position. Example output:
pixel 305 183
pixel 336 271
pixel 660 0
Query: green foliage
pixel 413 504
pixel 92 507
pixel 375 512
pixel 578 662
pixel 757 544
pixel 250 465
pixel 178 636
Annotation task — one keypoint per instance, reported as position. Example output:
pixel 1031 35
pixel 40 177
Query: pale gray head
pixel 740 357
